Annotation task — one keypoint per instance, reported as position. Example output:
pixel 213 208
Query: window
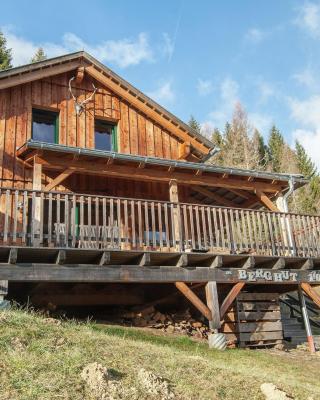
pixel 45 126
pixel 105 136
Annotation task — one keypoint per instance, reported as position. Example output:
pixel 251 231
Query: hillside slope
pixel 43 359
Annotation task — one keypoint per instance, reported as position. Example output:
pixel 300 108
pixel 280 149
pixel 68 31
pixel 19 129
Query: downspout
pixel 286 210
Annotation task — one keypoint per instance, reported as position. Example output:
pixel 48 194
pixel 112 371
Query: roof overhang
pixel 105 163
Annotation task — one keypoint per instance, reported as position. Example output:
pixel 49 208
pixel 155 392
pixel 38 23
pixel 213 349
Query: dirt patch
pixel 105 384
pixel 18 344
pixel 155 385
pixel 271 392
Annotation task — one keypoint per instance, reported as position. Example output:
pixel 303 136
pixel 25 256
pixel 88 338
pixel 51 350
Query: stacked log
pixel 174 322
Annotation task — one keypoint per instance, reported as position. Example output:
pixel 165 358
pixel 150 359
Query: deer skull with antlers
pixel 80 106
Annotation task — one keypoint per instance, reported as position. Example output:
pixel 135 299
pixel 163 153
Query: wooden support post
pixel 285 226
pixel 213 304
pixel 174 198
pixel 194 299
pixel 227 302
pixel 36 185
pixel 306 320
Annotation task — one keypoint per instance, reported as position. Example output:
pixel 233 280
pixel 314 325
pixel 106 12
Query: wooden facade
pixel 150 211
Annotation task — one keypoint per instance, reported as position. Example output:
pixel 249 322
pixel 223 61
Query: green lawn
pixel 43 360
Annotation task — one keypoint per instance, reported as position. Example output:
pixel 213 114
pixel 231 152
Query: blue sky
pixel 192 57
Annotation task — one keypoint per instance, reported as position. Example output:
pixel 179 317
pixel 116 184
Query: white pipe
pixel 286 210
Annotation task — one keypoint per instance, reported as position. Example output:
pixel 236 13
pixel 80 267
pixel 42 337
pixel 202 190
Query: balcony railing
pixel 51 219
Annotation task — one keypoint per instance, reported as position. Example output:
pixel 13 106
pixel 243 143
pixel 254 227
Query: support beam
pixel 213 304
pixel 306 287
pixel 213 196
pixel 306 320
pixel 184 150
pixel 264 199
pixel 59 179
pixel 227 302
pixel 79 75
pixel 194 299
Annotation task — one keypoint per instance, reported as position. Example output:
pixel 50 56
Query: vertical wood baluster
pixel 41 219
pixel 50 219
pixel 25 217
pixel 192 227
pixel 153 224
pixel 198 238
pixel 73 222
pixel 140 224
pixel 226 217
pixel 89 222
pixel 204 228
pixel 160 224
pixel 118 222
pixel 15 216
pixel 111 223
pixel 33 221
pixel 216 226
pixel 104 224
pixel 126 223
pixel 133 224
pixel 173 234
pixel 210 227
pixel 66 219
pixel 146 221
pixel 166 222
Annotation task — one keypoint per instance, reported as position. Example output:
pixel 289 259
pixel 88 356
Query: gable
pixel 140 107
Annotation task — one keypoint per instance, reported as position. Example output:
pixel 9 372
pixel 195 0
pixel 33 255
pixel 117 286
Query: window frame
pixel 114 133
pixel 55 112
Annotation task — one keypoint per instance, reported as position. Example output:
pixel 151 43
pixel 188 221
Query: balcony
pixel 65 220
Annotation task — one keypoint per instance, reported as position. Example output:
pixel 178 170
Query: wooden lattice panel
pixel 254 320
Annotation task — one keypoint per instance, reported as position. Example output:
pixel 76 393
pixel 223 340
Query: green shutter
pixel 56 130
pixel 114 138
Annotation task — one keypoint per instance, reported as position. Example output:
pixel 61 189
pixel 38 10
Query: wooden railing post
pixel 174 198
pixel 286 226
pixel 36 222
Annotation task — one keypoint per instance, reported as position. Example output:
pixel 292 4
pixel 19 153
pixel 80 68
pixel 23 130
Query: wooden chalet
pixel 101 185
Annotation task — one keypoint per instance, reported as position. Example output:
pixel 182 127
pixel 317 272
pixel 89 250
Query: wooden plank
pixel 231 296
pixel 247 327
pixel 194 299
pixel 258 296
pixel 259 315
pixel 213 305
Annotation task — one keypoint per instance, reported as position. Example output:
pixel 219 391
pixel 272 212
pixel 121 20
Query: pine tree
pixel 5 54
pixel 263 150
pixel 276 148
pixel 40 55
pixel 305 164
pixel 194 124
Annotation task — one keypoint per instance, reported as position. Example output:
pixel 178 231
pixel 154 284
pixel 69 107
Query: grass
pixel 41 360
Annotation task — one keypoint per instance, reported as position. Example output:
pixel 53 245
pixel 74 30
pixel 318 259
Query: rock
pixel 155 385
pixel 197 324
pixel 18 344
pixel 271 392
pixel 170 329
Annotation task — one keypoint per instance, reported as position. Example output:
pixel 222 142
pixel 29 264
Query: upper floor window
pixel 45 125
pixel 105 135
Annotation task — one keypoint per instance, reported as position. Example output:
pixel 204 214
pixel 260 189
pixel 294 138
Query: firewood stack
pixel 176 322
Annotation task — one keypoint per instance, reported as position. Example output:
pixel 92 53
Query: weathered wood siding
pixel 136 133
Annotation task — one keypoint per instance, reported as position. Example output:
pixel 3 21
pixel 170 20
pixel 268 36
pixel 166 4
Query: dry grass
pixel 43 360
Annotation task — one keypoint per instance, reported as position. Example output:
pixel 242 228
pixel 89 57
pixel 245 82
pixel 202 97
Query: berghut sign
pixel 285 276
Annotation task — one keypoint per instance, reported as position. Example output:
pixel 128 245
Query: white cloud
pixel 228 97
pixel 306 78
pixel 308 18
pixel 260 121
pixel 168 46
pixel 164 94
pixel 204 87
pixel 306 112
pixel 255 35
pixel 266 90
pixel 310 140
pixel 122 52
